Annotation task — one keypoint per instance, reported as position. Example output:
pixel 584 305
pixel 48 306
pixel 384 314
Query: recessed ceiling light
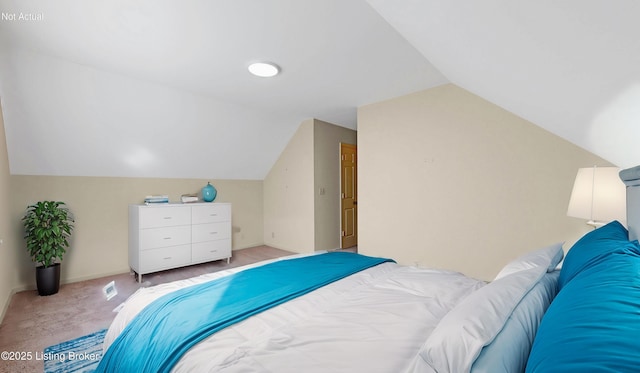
pixel 264 69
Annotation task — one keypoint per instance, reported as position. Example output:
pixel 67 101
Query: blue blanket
pixel 157 338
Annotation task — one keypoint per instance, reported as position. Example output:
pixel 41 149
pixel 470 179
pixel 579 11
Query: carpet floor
pixel 33 323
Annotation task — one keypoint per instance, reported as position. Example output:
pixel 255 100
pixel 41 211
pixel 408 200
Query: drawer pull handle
pixel 167 238
pixel 213 251
pixel 213 232
pixel 167 217
pixel 167 258
pixel 213 214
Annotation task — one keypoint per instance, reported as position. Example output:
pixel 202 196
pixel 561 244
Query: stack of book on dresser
pixel 156 199
pixel 189 198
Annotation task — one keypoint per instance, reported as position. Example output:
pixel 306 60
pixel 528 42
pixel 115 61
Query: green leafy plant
pixel 48 226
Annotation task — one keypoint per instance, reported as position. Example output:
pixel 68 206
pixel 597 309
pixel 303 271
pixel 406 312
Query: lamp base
pixel 596 224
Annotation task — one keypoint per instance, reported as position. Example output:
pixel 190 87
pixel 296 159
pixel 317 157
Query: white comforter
pixel 373 321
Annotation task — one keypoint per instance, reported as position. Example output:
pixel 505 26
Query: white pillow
pixel 548 257
pixel 509 350
pixel 461 334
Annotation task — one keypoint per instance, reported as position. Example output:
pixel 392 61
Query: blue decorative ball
pixel 209 193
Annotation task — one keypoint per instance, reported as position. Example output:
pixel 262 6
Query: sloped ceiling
pixel 571 66
pixel 158 88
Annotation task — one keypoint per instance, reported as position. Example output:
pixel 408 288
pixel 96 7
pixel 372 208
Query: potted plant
pixel 48 226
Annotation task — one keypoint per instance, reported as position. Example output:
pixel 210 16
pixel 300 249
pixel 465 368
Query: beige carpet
pixel 33 322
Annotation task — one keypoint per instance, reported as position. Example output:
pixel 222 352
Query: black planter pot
pixel 48 279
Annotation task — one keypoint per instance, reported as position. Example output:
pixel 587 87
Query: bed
pixel 363 314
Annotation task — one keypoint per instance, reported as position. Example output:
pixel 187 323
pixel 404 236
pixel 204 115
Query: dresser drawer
pixel 210 232
pixel 162 237
pixel 212 250
pixel 168 236
pixel 210 213
pixel 155 217
pixel 164 258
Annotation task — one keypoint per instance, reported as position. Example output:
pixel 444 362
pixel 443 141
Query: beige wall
pixel 449 180
pixel 297 217
pixel 327 138
pixel 99 205
pixel 8 245
pixel 446 180
pixel 288 195
pixel 283 204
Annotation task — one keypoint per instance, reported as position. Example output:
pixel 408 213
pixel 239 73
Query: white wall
pixel 129 127
pixel 449 180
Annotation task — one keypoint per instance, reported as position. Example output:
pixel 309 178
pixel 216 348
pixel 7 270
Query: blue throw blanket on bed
pixel 162 332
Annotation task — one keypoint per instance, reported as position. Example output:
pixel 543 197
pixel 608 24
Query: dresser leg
pixel 228 260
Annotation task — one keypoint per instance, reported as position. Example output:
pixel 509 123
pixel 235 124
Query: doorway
pixel 348 196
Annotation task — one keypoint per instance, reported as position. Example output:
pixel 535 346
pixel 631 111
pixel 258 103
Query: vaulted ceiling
pixel 158 88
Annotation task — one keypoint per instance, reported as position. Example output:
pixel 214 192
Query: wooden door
pixel 349 195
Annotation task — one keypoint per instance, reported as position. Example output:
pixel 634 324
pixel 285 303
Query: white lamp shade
pixel 598 195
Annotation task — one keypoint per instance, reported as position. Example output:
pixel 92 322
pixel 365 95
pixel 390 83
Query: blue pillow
pixel 591 248
pixel 593 324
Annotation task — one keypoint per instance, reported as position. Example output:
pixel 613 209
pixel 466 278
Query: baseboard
pixel 93 277
pixel 6 304
pixel 68 281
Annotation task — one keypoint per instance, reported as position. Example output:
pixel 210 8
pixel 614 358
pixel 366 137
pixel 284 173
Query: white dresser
pixel 166 236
